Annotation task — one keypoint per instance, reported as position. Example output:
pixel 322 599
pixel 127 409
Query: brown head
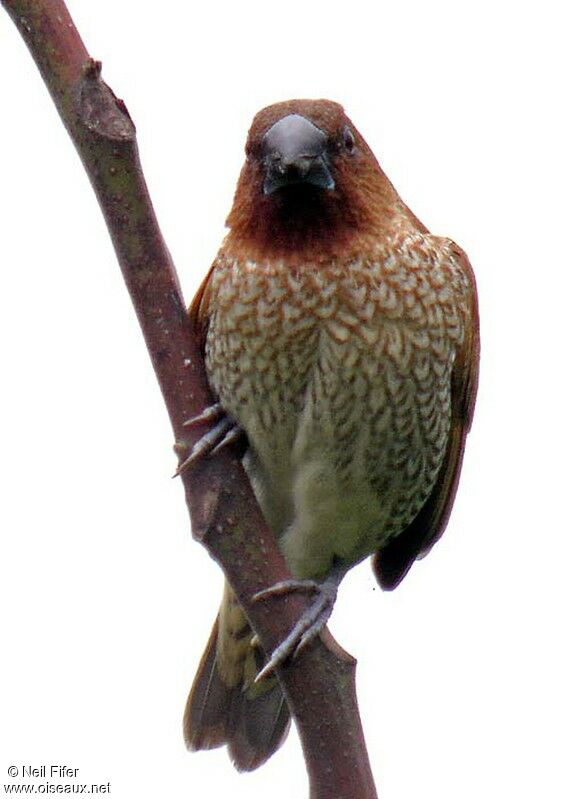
pixel 310 187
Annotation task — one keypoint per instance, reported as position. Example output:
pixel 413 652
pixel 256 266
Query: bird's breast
pixel 340 376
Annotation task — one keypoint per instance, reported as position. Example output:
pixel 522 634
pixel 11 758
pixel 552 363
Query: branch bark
pixel 320 685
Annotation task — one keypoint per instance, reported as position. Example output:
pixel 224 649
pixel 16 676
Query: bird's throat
pixel 296 226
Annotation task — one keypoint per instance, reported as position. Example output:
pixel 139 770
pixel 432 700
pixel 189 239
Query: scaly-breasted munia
pixel 342 338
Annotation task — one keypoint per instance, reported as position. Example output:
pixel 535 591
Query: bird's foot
pixel 311 622
pixel 208 414
pixel 224 432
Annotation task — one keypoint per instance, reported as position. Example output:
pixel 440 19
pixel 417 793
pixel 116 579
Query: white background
pixel 106 601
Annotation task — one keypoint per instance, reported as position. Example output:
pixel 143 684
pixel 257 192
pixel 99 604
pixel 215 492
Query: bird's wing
pixel 198 310
pixel 394 560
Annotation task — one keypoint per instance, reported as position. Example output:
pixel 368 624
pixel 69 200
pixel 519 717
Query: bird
pixel 341 342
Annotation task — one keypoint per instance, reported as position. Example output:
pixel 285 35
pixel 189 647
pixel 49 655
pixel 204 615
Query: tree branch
pixel 320 685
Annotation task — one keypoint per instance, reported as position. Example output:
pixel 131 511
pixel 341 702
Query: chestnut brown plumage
pixel 341 338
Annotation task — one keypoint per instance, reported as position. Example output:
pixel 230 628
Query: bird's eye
pixel 348 141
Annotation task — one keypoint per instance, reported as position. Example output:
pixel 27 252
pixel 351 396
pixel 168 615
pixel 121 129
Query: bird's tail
pixel 225 705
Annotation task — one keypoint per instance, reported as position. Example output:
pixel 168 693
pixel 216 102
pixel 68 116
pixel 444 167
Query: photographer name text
pixel 49 771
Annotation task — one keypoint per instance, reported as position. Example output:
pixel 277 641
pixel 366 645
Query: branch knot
pixel 103 113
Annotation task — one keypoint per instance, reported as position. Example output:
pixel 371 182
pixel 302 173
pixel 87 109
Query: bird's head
pixel 310 183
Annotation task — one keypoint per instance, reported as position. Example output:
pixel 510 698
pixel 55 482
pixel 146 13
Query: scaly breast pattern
pixel 341 377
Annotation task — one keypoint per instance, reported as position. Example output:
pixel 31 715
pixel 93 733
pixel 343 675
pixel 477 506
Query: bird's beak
pixel 295 152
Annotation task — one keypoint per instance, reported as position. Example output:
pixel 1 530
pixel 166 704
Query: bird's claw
pixel 223 433
pixel 309 625
pixel 211 412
